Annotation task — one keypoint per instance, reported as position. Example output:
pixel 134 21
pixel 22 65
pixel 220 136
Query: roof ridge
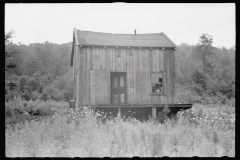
pixel 118 39
pixel 118 33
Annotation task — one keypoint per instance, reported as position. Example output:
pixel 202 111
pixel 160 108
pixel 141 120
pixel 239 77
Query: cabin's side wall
pixel 96 63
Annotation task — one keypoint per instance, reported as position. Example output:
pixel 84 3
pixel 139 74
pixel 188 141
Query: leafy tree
pixel 10 51
pixel 33 64
pixel 203 51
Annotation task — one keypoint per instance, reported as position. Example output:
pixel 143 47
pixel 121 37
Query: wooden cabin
pixel 123 70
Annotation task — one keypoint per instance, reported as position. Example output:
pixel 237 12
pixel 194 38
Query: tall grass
pixel 81 133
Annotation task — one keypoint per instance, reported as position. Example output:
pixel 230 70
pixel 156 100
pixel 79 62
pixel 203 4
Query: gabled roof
pixel 87 38
pixel 127 40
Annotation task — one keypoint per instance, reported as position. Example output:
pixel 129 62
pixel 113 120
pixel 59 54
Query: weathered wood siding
pixel 96 63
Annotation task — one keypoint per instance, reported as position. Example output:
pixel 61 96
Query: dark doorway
pixel 118 87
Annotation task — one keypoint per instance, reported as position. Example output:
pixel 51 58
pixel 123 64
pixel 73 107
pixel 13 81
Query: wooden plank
pixel 172 70
pixel 93 58
pixel 104 88
pixel 110 59
pixel 124 59
pixel 154 56
pixel 170 75
pixel 84 79
pixel 119 57
pixel 96 88
pixel 173 75
pixel 157 60
pixel 97 60
pixel 144 83
pixel 153 99
pixel 100 87
pixel 102 84
pixel 166 74
pixel 146 105
pixel 81 76
pixel 100 50
pixel 128 76
pixel 146 53
pixel 161 60
pixel 140 75
pixel 151 60
pixel 103 58
pixel 114 58
pixel 134 58
pixel 108 87
pixel 77 74
pixel 150 69
pixel 107 59
pixel 158 99
pixel 162 100
pixel 92 88
pixel 88 51
pixel 91 61
pixel 131 67
pixel 137 77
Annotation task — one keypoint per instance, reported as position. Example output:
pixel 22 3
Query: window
pixel 157 82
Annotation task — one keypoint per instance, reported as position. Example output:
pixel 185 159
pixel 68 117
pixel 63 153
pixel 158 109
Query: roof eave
pixel 170 40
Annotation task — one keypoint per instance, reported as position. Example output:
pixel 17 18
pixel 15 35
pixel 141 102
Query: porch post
pixel 154 111
pixel 119 111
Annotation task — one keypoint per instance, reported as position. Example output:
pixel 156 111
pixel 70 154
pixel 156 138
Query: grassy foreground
pixel 205 132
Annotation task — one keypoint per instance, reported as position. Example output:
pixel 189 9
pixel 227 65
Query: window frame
pixel 163 81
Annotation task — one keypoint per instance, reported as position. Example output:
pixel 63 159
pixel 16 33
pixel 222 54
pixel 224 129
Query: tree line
pixel 42 71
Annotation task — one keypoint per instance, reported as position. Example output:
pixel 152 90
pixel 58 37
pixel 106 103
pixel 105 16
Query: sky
pixel 182 23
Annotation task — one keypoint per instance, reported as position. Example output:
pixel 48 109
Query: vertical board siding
pixel 118 59
pixel 155 60
pixel 137 76
pixel 173 76
pixel 107 59
pixel 103 58
pixel 108 88
pixel 101 86
pixel 83 78
pixel 114 59
pixel 128 77
pixel 148 96
pixel 80 76
pixel 156 65
pixel 95 64
pixel 77 74
pixel 110 59
pixel 96 88
pixel 88 52
pixel 74 74
pixel 92 87
pixel 140 72
pixel 99 50
pixel 131 75
pixel 161 60
pixel 124 59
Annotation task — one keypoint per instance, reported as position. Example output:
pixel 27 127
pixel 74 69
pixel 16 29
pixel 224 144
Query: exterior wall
pixel 96 63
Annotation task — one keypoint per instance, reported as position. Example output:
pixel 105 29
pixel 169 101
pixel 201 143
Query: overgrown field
pixel 205 131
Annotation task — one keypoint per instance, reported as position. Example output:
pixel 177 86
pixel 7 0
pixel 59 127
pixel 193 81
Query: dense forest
pixel 204 74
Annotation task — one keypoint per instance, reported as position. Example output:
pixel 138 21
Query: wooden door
pixel 119 88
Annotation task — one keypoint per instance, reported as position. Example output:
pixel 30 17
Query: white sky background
pixel 182 23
